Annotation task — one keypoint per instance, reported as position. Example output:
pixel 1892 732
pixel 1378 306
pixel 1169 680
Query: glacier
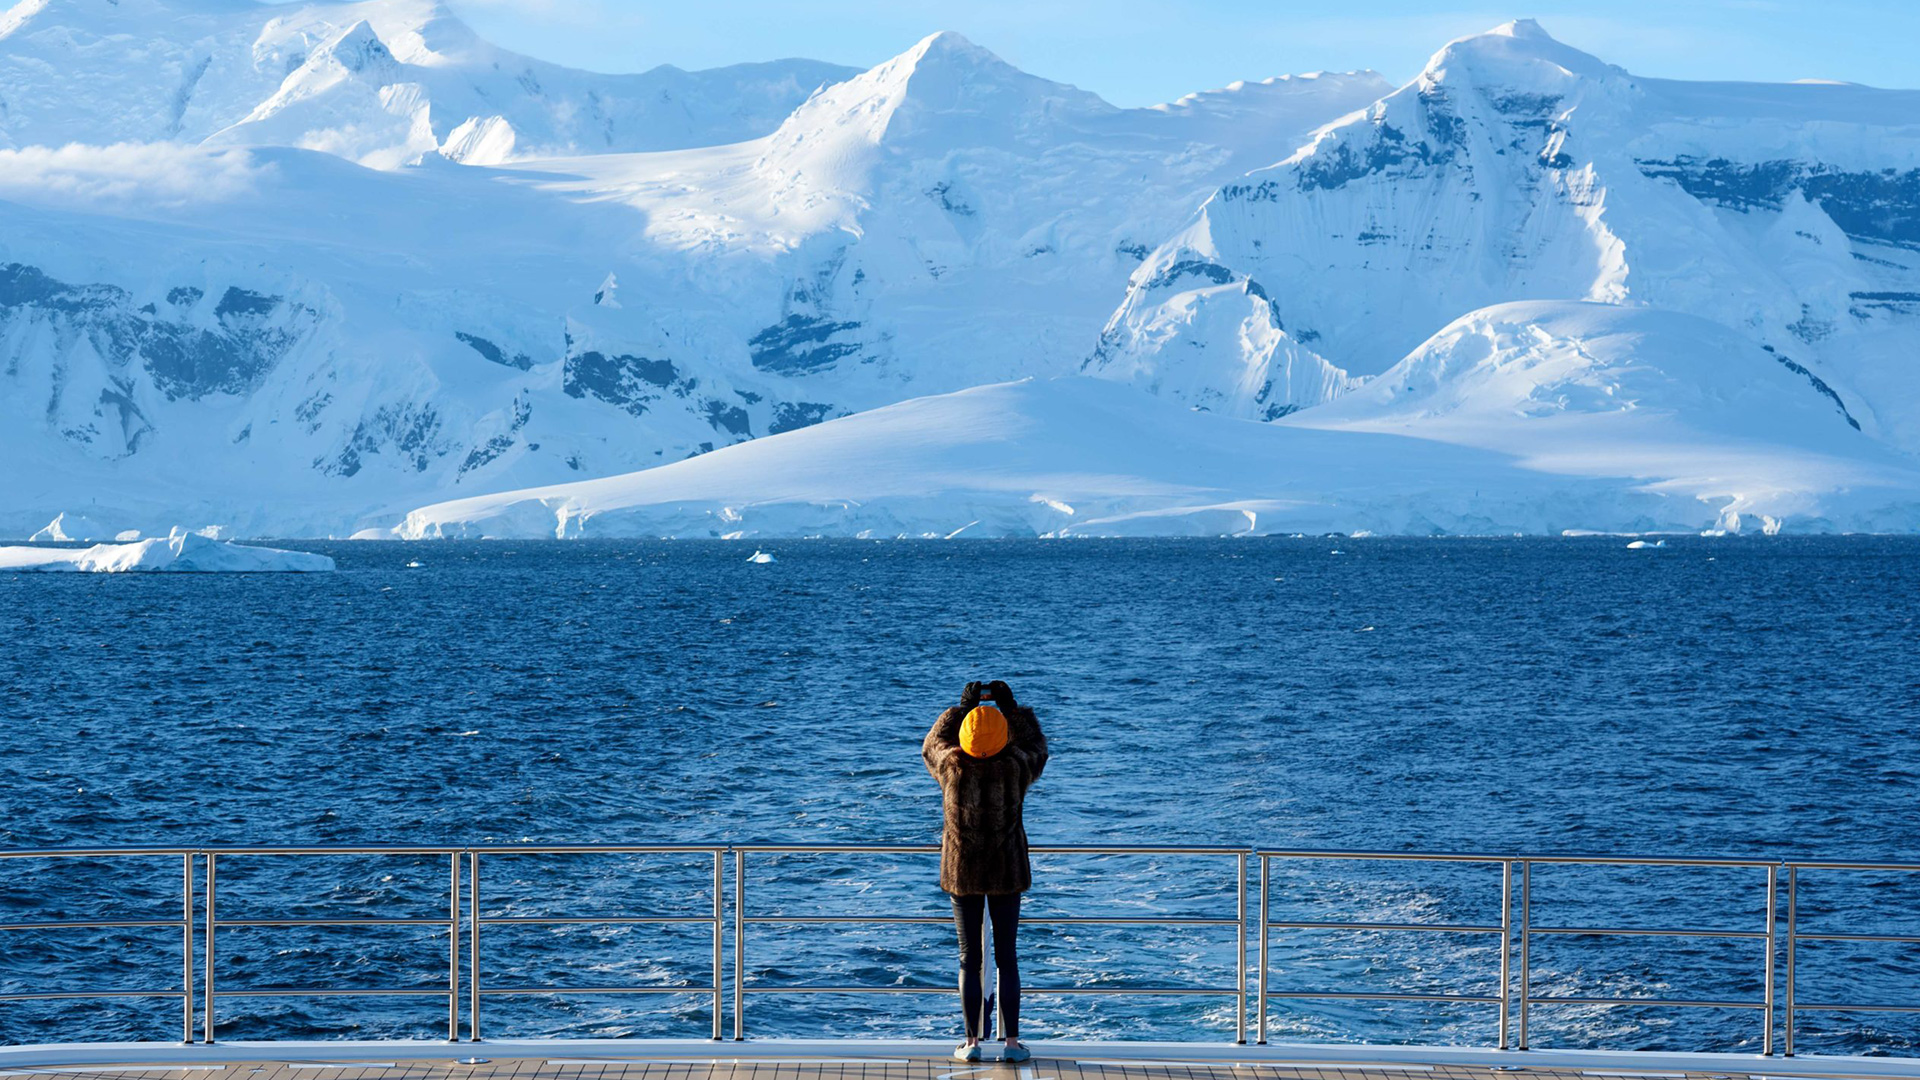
pixel 347 269
pixel 1076 456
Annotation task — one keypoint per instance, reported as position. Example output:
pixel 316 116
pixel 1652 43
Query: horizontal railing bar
pixel 223 923
pixel 1140 849
pixel 947 920
pixel 50 995
pixel 1036 849
pixel 93 853
pixel 1453 856
pixel 1126 920
pixel 1195 991
pixel 1643 860
pixel 314 991
pixel 840 849
pixel 1194 849
pixel 1667 1002
pixel 486 990
pixel 1024 990
pixel 356 849
pixel 589 849
pixel 1435 927
pixel 1798 1005
pixel 116 923
pixel 1854 865
pixel 327 849
pixel 594 920
pixel 1641 931
pixel 1905 938
pixel 1399 856
pixel 853 919
pixel 1361 995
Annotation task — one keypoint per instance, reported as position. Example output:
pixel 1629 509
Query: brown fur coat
pixel 983 847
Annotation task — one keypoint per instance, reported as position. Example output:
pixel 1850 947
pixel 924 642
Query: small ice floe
pixel 179 551
pixel 415 564
pixel 1336 551
pixel 1364 630
pixel 1638 544
pixel 760 557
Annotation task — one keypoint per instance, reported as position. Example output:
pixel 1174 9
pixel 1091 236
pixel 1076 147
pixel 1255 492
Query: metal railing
pixel 1267 924
pixel 1528 931
pixel 201 927
pixel 717 920
pixel 743 918
pixel 1509 998
pixel 451 923
pixel 184 923
pixel 1795 937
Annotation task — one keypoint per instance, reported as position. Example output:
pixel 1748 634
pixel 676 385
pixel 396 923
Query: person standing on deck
pixel 985 758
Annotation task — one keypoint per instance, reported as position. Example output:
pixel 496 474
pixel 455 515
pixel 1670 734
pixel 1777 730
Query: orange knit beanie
pixel 984 732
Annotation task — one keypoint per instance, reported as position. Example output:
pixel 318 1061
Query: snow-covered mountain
pixel 279 340
pixel 1518 168
pixel 377 81
pixel 222 315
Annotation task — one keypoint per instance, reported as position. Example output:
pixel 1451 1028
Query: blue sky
pixel 1137 52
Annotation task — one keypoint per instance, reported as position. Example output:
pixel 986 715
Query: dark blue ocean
pixel 1730 697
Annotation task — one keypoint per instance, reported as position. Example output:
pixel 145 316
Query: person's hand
pixel 1002 695
pixel 970 696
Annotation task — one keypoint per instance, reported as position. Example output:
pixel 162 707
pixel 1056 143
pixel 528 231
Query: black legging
pixel 967 912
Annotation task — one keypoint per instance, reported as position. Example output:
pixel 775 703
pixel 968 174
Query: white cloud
pixel 126 175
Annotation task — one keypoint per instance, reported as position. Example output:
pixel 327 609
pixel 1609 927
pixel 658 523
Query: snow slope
pixel 1517 168
pixel 1090 457
pixel 378 81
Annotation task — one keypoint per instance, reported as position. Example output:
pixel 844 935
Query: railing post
pixel 1773 904
pixel 207 955
pixel 1261 1026
pixel 1526 945
pixel 739 942
pixel 1793 943
pixel 453 947
pixel 1506 951
pixel 473 946
pixel 186 949
pixel 719 924
pixel 1240 910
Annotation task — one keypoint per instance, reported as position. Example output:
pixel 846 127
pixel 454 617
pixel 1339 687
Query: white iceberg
pixel 180 551
pixel 760 557
pixel 66 527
